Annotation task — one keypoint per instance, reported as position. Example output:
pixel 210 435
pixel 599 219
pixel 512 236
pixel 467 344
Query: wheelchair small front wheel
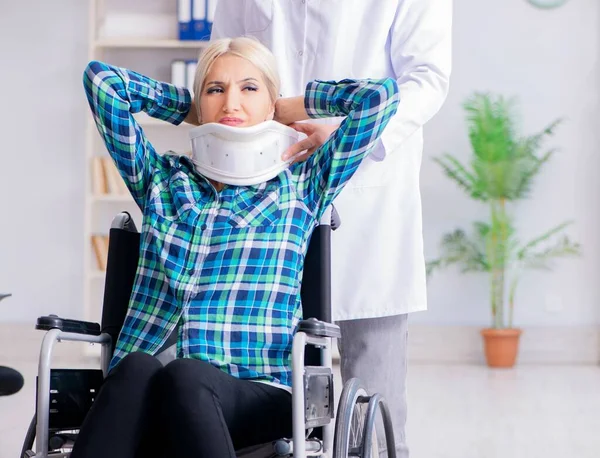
pixel 27 450
pixel 350 422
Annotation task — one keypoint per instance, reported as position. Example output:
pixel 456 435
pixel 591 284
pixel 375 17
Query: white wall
pixel 43 49
pixel 549 59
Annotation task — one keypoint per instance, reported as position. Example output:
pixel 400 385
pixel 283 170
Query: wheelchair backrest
pixel 123 257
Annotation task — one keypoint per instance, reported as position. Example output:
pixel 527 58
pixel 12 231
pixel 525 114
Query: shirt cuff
pixel 319 99
pixel 163 101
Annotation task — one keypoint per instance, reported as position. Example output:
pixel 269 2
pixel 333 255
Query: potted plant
pixel 500 173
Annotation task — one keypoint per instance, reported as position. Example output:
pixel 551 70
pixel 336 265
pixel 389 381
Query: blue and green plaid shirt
pixel 224 268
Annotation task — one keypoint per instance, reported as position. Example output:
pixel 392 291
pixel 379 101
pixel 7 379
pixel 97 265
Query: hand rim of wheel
pixel 353 390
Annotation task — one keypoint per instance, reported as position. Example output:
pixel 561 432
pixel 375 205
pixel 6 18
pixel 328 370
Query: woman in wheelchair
pixel 220 263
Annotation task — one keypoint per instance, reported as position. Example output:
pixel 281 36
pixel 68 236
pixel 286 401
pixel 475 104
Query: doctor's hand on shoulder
pixel 289 111
pixel 316 135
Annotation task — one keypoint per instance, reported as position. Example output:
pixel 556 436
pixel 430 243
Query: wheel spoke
pixel 357 426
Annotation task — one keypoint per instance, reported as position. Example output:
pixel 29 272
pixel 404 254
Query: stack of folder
pixel 183 73
pixel 195 18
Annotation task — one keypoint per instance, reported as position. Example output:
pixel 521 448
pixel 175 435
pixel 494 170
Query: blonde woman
pixel 220 265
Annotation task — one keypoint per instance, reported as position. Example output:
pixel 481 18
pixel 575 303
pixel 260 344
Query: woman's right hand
pixel 192 116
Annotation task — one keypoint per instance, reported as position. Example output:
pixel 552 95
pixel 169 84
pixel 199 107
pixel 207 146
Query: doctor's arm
pixel 420 52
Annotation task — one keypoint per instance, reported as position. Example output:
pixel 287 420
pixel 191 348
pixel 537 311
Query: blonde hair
pixel 245 47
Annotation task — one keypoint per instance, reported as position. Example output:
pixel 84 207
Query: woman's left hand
pixel 289 110
pixel 317 134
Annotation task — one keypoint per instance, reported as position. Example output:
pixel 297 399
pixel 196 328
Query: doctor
pixel 378 264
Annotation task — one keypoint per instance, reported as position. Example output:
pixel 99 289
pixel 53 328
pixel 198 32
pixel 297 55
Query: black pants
pixel 187 408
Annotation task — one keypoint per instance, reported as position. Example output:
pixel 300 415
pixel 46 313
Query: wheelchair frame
pixel 312 386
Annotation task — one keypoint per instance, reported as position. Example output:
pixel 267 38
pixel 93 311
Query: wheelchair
pixel 64 396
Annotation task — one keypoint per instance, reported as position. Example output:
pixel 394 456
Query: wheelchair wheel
pixel 370 443
pixel 350 421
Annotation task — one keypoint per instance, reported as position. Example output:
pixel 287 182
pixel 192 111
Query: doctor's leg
pixel 374 350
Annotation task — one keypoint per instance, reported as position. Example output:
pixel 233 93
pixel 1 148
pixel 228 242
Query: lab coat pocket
pixel 371 174
pixel 258 15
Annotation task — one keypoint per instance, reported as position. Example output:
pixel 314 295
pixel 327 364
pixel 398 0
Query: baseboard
pixel 538 345
pixel 427 344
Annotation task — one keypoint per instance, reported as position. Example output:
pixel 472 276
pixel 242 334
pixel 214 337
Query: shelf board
pixel 149 43
pixel 112 198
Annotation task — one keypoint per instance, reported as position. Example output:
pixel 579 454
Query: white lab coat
pixel 377 254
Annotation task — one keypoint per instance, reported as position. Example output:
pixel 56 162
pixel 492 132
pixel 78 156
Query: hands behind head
pixel 317 134
pixel 192 116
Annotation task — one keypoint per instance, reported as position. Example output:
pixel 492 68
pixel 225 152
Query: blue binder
pixel 184 16
pixel 199 23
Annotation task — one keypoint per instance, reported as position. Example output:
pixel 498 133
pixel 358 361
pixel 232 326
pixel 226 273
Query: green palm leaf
pixel 501 171
pixel 456 171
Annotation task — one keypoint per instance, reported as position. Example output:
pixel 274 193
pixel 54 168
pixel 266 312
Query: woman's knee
pixel 137 365
pixel 181 377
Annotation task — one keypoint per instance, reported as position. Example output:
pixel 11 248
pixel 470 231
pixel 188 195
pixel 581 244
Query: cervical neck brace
pixel 241 156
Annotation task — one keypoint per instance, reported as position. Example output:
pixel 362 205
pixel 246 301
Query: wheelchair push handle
pixel 124 221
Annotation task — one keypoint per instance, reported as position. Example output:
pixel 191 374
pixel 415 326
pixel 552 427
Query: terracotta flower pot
pixel 501 346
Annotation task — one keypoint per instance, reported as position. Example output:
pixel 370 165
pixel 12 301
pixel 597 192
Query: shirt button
pixel 300 53
pixel 203 227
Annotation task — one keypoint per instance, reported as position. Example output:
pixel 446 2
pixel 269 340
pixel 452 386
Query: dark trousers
pixel 187 408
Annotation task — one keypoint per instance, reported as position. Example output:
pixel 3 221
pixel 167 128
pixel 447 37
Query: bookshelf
pixel 147 44
pixel 149 55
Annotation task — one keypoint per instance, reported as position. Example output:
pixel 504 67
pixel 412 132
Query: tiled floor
pixel 454 412
pixel 529 412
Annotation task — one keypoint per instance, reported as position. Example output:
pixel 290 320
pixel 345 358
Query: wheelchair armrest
pixel 314 327
pixel 45 323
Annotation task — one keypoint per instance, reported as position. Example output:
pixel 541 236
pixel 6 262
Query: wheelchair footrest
pixel 318 396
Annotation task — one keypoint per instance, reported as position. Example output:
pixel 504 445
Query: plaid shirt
pixel 224 268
